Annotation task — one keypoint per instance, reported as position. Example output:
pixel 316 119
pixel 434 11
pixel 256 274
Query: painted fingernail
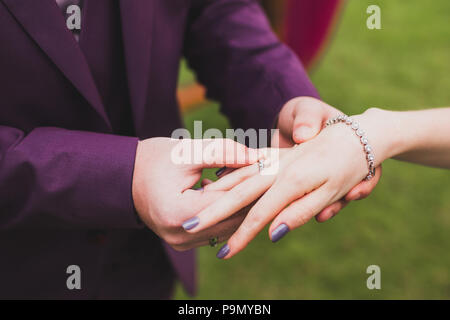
pixel 220 171
pixel 191 223
pixel 199 189
pixel 279 232
pixel 222 253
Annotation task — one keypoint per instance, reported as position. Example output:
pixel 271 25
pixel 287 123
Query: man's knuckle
pixel 300 220
pixel 307 211
pixel 175 240
pixel 254 221
pixel 180 248
pixel 229 145
pixel 237 195
pixel 295 176
pixel 169 222
pixel 235 242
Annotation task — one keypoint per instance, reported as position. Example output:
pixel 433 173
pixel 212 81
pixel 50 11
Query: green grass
pixel 404 226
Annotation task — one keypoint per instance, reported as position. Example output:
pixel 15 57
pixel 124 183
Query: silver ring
pixel 213 242
pixel 260 165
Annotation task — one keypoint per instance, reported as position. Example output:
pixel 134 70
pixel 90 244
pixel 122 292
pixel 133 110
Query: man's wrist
pixel 138 203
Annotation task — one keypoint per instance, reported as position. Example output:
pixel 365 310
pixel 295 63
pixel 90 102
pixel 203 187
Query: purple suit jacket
pixel 65 175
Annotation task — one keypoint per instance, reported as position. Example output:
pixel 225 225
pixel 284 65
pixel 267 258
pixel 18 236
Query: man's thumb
pixel 304 133
pixel 308 120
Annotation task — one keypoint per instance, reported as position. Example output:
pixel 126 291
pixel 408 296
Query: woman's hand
pixel 300 120
pixel 310 177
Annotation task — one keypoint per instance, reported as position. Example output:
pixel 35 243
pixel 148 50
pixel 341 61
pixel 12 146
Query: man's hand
pixel 300 120
pixel 162 187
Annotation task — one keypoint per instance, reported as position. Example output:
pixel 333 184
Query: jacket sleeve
pixel 52 176
pixel 243 65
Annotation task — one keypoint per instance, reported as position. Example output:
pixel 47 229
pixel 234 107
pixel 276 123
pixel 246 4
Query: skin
pixel 335 163
pixel 162 190
pixel 302 119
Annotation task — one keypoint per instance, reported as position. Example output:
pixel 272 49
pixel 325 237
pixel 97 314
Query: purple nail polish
pixel 279 232
pixel 220 171
pixel 191 223
pixel 199 189
pixel 222 253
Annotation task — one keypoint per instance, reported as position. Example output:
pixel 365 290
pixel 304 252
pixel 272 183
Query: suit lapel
pixel 137 18
pixel 45 24
pixel 137 25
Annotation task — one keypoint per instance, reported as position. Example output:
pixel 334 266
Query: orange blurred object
pixel 304 25
pixel 191 96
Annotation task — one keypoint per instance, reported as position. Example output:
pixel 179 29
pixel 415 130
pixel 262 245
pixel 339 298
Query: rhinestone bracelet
pixel 363 138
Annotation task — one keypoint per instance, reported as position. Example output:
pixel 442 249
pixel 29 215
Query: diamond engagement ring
pixel 260 165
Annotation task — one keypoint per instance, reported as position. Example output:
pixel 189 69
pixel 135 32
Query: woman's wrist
pixel 383 133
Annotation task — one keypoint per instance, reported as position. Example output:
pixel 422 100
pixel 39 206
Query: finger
pixel 227 182
pixel 193 201
pixel 299 213
pixel 223 171
pixel 213 153
pixel 271 157
pixel 331 211
pixel 271 203
pixel 205 182
pixel 364 188
pixel 229 153
pixel 232 201
pixel 222 231
pixel 281 141
pixel 205 243
pixel 309 118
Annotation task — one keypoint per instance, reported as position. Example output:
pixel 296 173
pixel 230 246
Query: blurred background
pixel 404 226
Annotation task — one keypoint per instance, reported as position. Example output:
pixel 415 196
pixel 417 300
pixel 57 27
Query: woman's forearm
pixel 414 136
